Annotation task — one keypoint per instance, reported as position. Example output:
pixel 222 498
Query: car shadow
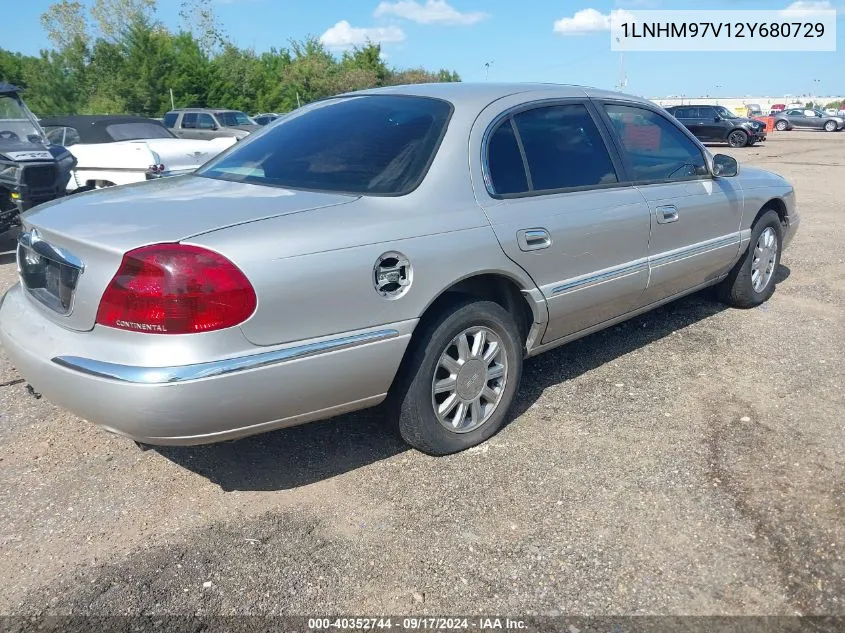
pixel 290 458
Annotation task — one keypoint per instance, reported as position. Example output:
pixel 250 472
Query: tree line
pixel 117 58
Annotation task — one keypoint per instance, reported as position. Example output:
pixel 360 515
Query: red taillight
pixel 176 289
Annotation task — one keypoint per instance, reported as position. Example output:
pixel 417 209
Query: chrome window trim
pixel 187 373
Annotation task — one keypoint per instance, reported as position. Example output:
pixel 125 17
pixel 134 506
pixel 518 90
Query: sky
pixel 561 41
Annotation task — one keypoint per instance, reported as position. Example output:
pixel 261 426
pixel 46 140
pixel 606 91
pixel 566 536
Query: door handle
pixel 667 214
pixel 533 239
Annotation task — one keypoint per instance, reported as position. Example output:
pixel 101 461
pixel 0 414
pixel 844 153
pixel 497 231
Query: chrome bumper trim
pixel 185 373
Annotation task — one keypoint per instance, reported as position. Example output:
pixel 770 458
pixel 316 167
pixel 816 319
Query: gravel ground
pixel 689 461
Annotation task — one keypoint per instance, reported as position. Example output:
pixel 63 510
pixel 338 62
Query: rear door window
pixel 189 120
pixel 205 122
pixel 563 148
pixel 170 119
pixel 506 170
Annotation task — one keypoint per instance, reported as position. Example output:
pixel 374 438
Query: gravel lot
pixel 689 461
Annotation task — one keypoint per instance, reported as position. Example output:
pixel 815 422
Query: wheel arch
pixel 778 206
pixel 525 304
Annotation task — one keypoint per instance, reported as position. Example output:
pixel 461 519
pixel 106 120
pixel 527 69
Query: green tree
pixel 114 18
pixel 65 22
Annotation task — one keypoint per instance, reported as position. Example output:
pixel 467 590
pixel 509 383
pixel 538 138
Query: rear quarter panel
pixel 313 272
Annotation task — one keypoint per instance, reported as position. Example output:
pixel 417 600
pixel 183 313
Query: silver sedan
pixel 409 245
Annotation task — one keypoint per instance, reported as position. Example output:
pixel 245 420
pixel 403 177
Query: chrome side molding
pixel 185 373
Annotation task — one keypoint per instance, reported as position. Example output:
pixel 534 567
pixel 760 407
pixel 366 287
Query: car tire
pixel 738 138
pixel 752 280
pixel 781 126
pixel 830 126
pixel 414 395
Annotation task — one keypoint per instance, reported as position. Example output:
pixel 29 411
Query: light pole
pixel 623 78
pixel 816 85
pixel 487 70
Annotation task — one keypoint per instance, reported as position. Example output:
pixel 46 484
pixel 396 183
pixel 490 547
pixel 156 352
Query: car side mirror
pixel 725 166
pixel 717 118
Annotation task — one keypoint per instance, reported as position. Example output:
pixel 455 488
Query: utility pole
pixel 172 103
pixel 487 70
pixel 298 102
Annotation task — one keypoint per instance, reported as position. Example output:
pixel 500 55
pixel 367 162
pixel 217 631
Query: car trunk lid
pixel 71 249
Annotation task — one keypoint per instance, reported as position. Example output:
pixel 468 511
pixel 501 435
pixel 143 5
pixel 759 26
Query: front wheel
pixel 830 126
pixel 782 126
pixel 737 138
pixel 751 282
pixel 456 386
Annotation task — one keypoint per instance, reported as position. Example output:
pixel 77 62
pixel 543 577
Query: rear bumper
pixel 212 400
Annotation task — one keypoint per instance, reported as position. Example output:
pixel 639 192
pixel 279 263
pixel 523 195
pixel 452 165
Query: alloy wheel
pixel 737 139
pixel 469 379
pixel 764 259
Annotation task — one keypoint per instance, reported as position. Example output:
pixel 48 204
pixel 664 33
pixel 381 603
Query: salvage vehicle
pixel 801 118
pixel 117 150
pixel 32 170
pixel 207 123
pixel 718 124
pixel 406 245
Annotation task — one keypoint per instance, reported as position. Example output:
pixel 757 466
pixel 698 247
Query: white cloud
pixel 344 35
pixel 432 12
pixel 589 21
pixel 805 8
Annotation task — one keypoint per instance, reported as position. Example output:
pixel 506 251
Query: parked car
pixel 808 119
pixel 777 107
pixel 207 123
pixel 410 245
pixel 117 150
pixel 720 125
pixel 753 110
pixel 32 170
pixel 264 119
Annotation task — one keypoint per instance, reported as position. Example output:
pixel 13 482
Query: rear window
pixel 134 131
pixel 376 145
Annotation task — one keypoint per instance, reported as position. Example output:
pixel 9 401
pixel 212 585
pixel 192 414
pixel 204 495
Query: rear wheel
pixel 830 126
pixel 737 138
pixel 751 282
pixel 456 386
pixel 782 126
